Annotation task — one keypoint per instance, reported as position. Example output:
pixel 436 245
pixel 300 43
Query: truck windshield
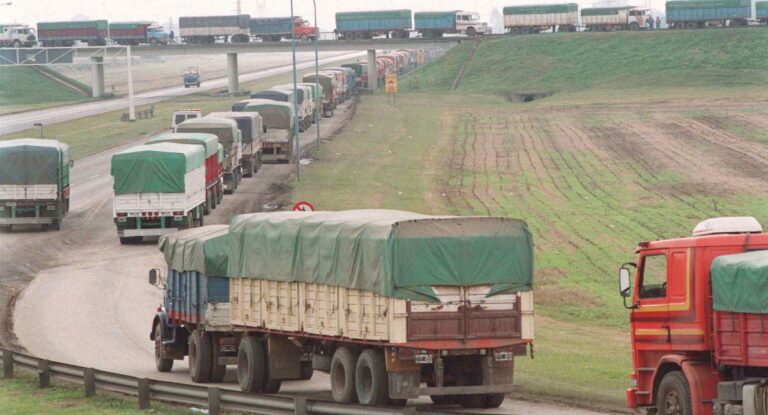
pixel 653 282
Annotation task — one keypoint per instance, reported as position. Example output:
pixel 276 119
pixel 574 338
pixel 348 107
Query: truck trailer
pixel 278 120
pixel 436 24
pixel 306 103
pixel 158 189
pixel 698 310
pixel 366 25
pixel 93 32
pixel 535 18
pixel 386 302
pixel 274 29
pixel 229 136
pixel 34 182
pixel 604 19
pixel 327 84
pixel 210 29
pixel 252 132
pixel 137 33
pixel 694 14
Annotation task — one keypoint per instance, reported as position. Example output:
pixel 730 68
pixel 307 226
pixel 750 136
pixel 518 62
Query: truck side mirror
pixel 625 286
pixel 153 274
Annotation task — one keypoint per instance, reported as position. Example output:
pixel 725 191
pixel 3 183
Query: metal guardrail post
pixel 7 364
pixel 214 401
pixel 89 379
pixel 301 405
pixel 144 402
pixel 44 373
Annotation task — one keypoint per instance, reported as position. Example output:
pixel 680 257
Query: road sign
pixel 391 83
pixel 303 207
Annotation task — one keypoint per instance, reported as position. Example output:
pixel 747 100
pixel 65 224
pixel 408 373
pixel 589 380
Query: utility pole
pixel 239 8
pixel 295 94
pixel 317 79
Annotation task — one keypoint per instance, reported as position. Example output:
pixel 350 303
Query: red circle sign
pixel 303 207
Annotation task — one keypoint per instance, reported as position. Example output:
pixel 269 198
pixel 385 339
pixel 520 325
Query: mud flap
pixel 283 358
pixel 404 385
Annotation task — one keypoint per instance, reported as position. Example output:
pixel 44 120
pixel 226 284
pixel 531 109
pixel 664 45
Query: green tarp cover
pixel 128 25
pixel 707 4
pixel 541 8
pixel 156 168
pixel 274 114
pixel 392 253
pixel 81 24
pixel 375 14
pixel 603 11
pixel 32 161
pixel 224 129
pixel 325 81
pixel 208 141
pixel 761 5
pixel 316 92
pixel 740 282
pixel 204 250
pixel 220 153
pixel 436 15
pixel 255 121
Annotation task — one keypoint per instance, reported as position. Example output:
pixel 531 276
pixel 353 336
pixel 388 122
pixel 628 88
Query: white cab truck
pixel 305 100
pixel 158 189
pixel 604 19
pixel 179 116
pixel 436 24
pixel 17 36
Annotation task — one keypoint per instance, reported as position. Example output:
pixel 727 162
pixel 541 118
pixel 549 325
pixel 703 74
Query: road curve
pixel 21 121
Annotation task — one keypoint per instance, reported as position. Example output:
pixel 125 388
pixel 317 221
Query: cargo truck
pixel 328 85
pixel 210 29
pixel 158 189
pixel 436 24
pixel 129 33
pixel 274 29
pixel 341 84
pixel 229 136
pixel 604 19
pixel 393 305
pixel 278 119
pixel 761 8
pixel 287 96
pixel 534 18
pixel 34 182
pixel 305 101
pixel 361 73
pixel 693 14
pixel 365 25
pixel 17 36
pixel 316 93
pixel 93 32
pixel 179 116
pixel 350 80
pixel 699 321
pixel 252 133
pixel 214 176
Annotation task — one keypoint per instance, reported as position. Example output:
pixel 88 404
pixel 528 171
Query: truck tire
pixel 250 365
pixel 475 400
pixel 634 26
pixel 307 370
pixel 217 371
pixel 493 400
pixel 371 380
pixel 471 32
pixel 161 363
pixel 208 203
pixel 56 225
pixel 199 357
pixel 16 44
pixel 343 375
pixel 128 241
pixel 270 385
pixel 674 395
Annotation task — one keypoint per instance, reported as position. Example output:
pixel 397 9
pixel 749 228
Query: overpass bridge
pixel 98 54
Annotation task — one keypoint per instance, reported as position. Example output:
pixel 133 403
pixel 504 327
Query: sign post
pixel 390 81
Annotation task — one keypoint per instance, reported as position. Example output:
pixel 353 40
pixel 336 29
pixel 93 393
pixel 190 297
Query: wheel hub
pixel 673 404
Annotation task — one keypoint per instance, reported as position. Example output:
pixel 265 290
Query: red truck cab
pixel 674 331
pixel 302 29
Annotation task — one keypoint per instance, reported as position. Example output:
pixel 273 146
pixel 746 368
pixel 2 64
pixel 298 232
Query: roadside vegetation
pixel 23 88
pixel 594 170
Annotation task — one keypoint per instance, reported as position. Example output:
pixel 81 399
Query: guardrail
pixel 214 398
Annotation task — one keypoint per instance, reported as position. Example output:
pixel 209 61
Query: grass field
pixel 593 170
pixel 23 88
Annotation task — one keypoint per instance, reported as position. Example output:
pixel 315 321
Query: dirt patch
pixel 525 97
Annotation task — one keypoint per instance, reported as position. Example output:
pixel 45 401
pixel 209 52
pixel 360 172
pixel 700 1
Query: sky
pixel 33 11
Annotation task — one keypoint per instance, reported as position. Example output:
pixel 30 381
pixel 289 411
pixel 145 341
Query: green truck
pixel 34 182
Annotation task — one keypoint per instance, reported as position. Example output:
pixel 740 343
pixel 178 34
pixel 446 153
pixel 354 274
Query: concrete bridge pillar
pixel 373 79
pixel 97 69
pixel 233 76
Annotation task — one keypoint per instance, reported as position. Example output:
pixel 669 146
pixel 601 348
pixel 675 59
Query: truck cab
pixel 156 35
pixel 303 30
pixel 179 116
pixel 17 36
pixel 673 329
pixel 470 24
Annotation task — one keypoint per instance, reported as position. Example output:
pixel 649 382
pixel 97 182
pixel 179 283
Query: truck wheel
pixel 16 44
pixel 208 203
pixel 304 38
pixel 217 371
pixel 371 380
pixel 475 400
pixel 471 32
pixel 674 396
pixel 199 357
pixel 161 363
pixel 56 225
pixel 634 26
pixel 214 199
pixel 307 370
pixel 153 42
pixel 270 385
pixel 250 365
pixel 442 399
pixel 493 400
pixel 343 375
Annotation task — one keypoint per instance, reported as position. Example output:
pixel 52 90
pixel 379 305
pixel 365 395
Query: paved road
pixel 24 120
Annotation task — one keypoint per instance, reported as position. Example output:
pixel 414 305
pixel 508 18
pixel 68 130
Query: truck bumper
pixel 27 221
pixel 129 233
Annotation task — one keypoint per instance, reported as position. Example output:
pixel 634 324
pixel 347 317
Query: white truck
pixel 17 36
pixel 158 189
pixel 436 24
pixel 179 116
pixel 229 137
pixel 306 102
pixel 604 19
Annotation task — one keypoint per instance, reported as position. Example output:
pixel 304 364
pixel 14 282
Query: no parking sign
pixel 303 206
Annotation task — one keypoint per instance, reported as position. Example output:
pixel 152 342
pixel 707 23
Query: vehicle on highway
pixel 369 24
pixel 284 293
pixel 350 80
pixel 210 29
pixel 137 33
pixel 274 29
pixel 316 93
pixel 17 36
pixel 66 33
pixel 179 116
pixel 606 19
pixel 229 137
pixel 214 174
pixel 698 320
pixel 341 84
pixel 528 19
pixel 158 189
pixel 252 132
pixel 278 119
pixel 34 182
pixel 306 103
pixel 285 95
pixel 705 13
pixel 361 73
pixel 327 83
pixel 436 24
pixel 191 77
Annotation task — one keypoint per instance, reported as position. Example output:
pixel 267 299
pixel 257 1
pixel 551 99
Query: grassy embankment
pixel 23 88
pixel 636 144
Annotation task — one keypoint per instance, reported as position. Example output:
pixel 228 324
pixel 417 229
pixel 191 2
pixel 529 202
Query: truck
pixel 252 132
pixel 365 25
pixel 210 29
pixel 214 175
pixel 308 291
pixel 605 19
pixel 137 33
pixel 535 18
pixel 191 77
pixel 17 36
pixel 361 73
pixel 694 14
pixel 305 101
pixel 327 83
pixel 158 189
pixel 34 182
pixel 316 93
pixel 229 136
pixel 274 29
pixel 350 80
pixel 278 120
pixel 436 24
pixel 761 8
pixel 179 116
pixel 93 32
pixel 341 84
pixel 698 320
